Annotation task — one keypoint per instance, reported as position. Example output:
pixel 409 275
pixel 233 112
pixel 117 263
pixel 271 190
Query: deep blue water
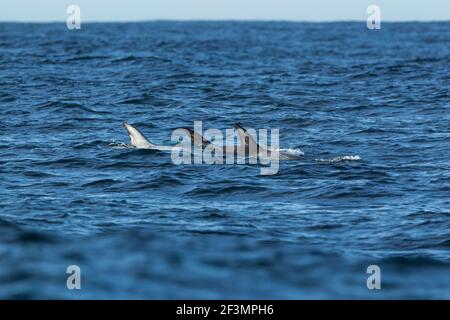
pixel 73 191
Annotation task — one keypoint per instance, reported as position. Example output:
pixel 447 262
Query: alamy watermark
pixel 74 279
pixel 73 21
pixel 374 19
pixel 374 280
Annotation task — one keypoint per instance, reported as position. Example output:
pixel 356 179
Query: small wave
pixel 119 145
pixel 87 57
pixel 340 159
pixel 132 58
pixel 99 183
pixel 89 144
pixel 223 190
pixel 62 106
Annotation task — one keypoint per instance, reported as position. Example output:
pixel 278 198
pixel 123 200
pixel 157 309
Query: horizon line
pixel 224 20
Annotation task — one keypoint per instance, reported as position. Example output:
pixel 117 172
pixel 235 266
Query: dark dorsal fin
pixel 193 134
pixel 245 138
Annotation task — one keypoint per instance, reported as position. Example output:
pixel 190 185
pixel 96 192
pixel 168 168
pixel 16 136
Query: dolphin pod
pixel 247 146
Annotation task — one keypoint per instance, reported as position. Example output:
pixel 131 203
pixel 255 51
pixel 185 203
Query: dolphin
pixel 240 149
pixel 247 146
pixel 139 141
pixel 254 149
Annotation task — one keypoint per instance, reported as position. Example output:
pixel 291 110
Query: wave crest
pixel 340 159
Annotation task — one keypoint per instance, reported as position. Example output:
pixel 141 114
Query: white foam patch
pixel 295 152
pixel 340 159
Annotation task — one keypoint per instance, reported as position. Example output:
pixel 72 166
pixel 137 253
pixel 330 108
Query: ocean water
pixel 369 109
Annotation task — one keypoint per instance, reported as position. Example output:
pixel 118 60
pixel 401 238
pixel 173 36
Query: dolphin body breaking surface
pixel 139 141
pixel 248 146
pixel 256 150
pixel 235 149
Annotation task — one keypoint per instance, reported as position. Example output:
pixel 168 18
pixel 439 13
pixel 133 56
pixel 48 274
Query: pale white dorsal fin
pixel 137 138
